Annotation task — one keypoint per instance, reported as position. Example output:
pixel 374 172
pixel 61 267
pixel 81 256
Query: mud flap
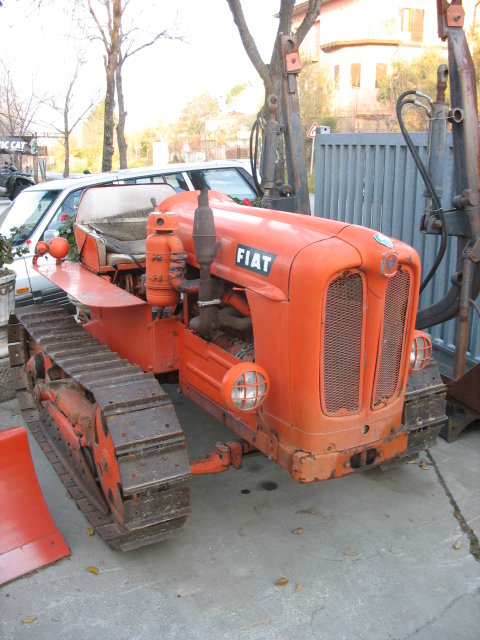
pixel 29 538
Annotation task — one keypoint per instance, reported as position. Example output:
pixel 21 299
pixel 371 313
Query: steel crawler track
pixel 149 444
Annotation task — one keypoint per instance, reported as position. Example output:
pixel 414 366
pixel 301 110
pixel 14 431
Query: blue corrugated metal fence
pixel 371 179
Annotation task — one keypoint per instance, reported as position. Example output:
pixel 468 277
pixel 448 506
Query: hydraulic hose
pixel 254 154
pixel 401 102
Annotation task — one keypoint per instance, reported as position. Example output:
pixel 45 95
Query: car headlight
pixel 421 352
pixel 245 387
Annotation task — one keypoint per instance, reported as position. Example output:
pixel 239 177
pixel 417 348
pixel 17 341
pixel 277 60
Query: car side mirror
pixel 49 235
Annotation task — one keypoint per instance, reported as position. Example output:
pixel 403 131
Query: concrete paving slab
pixel 374 558
pixel 465 488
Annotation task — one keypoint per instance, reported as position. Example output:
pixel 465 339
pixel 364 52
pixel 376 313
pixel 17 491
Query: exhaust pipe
pixel 204 239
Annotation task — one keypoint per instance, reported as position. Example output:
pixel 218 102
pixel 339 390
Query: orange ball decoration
pixel 58 247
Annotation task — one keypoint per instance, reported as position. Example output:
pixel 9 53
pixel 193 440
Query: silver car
pixel 40 210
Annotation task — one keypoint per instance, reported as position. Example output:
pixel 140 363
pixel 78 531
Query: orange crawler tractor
pixel 296 332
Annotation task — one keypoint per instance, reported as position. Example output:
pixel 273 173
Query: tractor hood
pixel 255 248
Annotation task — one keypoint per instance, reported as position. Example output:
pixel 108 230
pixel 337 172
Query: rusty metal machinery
pixel 463 220
pixel 293 196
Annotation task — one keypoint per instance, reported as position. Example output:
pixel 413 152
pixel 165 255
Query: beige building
pixel 357 40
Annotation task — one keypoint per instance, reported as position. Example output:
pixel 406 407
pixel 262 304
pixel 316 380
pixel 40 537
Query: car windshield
pixel 25 213
pixel 227 181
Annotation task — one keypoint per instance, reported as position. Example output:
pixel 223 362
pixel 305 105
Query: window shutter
pixel 417 25
pixel 355 71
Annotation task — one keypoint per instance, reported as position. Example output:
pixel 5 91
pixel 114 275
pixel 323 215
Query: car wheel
pixel 18 188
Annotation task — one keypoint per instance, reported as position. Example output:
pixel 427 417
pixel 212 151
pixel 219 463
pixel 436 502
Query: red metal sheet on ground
pixel 85 286
pixel 29 538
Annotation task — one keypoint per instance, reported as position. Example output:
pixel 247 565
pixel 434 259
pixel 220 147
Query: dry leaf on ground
pixel 457 544
pixel 424 465
pixel 282 582
pixel 29 619
pixel 93 570
pixel 90 532
pixel 351 554
pixel 298 530
pixel 304 511
pixel 298 587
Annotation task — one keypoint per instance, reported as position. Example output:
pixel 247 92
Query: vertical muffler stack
pixel 204 238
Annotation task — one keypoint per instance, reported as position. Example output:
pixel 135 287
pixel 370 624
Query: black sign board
pixel 26 145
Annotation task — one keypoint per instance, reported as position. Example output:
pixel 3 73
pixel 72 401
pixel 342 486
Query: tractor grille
pixel 395 313
pixel 342 347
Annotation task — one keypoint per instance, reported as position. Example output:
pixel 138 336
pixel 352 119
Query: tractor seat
pixel 112 221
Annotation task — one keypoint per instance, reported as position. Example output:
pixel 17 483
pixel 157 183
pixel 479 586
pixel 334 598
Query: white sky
pixel 157 82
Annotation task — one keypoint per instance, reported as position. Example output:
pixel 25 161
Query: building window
pixel 336 76
pixel 355 74
pixel 417 25
pixel 380 73
pixel 411 21
pixel 405 20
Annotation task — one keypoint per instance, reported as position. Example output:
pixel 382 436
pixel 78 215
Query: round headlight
pixel 421 352
pixel 245 387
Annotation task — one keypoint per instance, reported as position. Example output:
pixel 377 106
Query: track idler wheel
pixel 107 467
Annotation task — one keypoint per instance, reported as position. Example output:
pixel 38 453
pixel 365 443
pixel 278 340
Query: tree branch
pixel 284 28
pixel 312 14
pixel 93 101
pixel 164 34
pixel 248 41
pixel 109 15
pixel 100 28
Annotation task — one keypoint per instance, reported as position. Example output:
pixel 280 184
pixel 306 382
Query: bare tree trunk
pixel 113 37
pixel 122 114
pixel 108 121
pixel 271 74
pixel 66 171
pixel 65 110
pixel 112 47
